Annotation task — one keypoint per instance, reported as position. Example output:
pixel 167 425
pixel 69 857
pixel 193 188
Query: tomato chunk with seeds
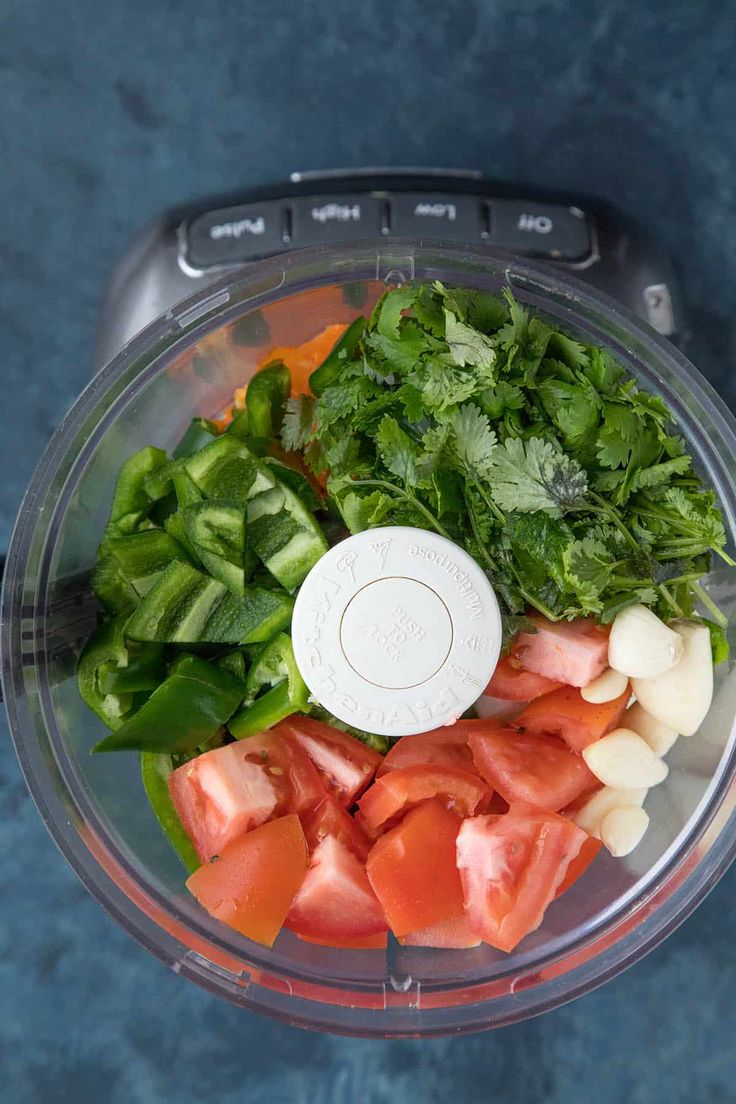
pixel 572 652
pixel 335 900
pixel 540 771
pixel 251 885
pixel 330 819
pixel 394 793
pixel 413 870
pixel 565 713
pixel 511 867
pixel 345 764
pixel 512 682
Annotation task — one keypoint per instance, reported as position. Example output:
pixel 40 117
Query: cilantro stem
pixel 419 506
pixel 669 599
pixel 611 513
pixel 494 509
pixel 710 605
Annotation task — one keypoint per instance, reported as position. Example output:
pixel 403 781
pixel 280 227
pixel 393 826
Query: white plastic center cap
pixel 396 631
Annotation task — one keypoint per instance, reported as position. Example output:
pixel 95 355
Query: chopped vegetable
pixel 185 711
pixel 274 689
pixel 336 900
pixel 565 713
pixel 534 770
pixel 250 886
pixel 399 790
pixel 156 769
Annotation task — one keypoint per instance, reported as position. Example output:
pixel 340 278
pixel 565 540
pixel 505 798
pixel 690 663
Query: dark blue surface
pixel 110 112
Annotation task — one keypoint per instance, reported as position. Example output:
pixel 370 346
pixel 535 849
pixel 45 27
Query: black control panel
pixel 191 247
pixel 242 233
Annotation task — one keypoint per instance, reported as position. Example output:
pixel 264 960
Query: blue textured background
pixel 110 112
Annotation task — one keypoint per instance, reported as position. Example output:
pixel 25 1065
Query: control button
pixel 658 304
pixel 317 219
pixel 430 214
pixel 233 235
pixel 540 230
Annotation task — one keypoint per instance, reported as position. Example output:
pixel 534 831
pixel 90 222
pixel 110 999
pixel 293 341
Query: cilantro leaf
pixel 535 475
pixel 389 310
pixel 467 346
pixel 365 511
pixel 296 427
pixel 474 439
pixel 399 453
pixel 588 572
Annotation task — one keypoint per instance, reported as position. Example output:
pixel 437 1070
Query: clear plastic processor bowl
pixel 189 362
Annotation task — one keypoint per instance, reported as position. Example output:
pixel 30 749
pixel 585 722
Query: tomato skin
pixel 251 885
pixel 391 795
pixel 454 934
pixel 335 900
pixel 290 768
pixel 565 713
pixel 330 819
pixel 443 747
pixel 413 870
pixel 571 652
pixel 345 765
pixel 511 867
pixel 512 682
pixel 579 864
pixel 540 771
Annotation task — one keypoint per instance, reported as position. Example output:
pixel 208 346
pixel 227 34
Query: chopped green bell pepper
pixel 186 606
pixel 131 503
pixel 155 770
pixel 187 708
pixel 330 370
pixel 276 671
pixel 128 566
pixel 199 433
pixel 265 399
pixel 281 530
pixel 106 660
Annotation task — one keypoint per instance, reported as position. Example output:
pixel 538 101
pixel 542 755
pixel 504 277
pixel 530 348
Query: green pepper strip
pixel 275 668
pixel 265 399
pixel 105 647
pixel 187 708
pixel 155 771
pixel 330 370
pixel 131 503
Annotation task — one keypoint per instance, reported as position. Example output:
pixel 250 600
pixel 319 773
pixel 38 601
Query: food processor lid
pixel 396 630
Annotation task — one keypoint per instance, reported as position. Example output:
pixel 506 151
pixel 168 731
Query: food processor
pixel 189 360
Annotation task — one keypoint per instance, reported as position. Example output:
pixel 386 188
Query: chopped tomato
pixel 345 764
pixel 572 652
pixel 397 791
pixel 335 900
pixel 414 872
pixel 565 713
pixel 537 770
pixel 511 682
pixel 511 867
pixel 302 359
pixel 366 943
pixel 330 819
pixel 251 885
pixel 450 934
pixel 579 864
pixel 222 795
pixel 443 747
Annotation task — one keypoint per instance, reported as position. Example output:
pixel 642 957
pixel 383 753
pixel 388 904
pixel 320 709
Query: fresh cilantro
pixel 297 424
pixel 463 412
pixel 535 475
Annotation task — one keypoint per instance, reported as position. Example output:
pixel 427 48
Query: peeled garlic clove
pixel 660 737
pixel 623 829
pixel 623 760
pixel 591 815
pixel 681 698
pixel 609 685
pixel 640 645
